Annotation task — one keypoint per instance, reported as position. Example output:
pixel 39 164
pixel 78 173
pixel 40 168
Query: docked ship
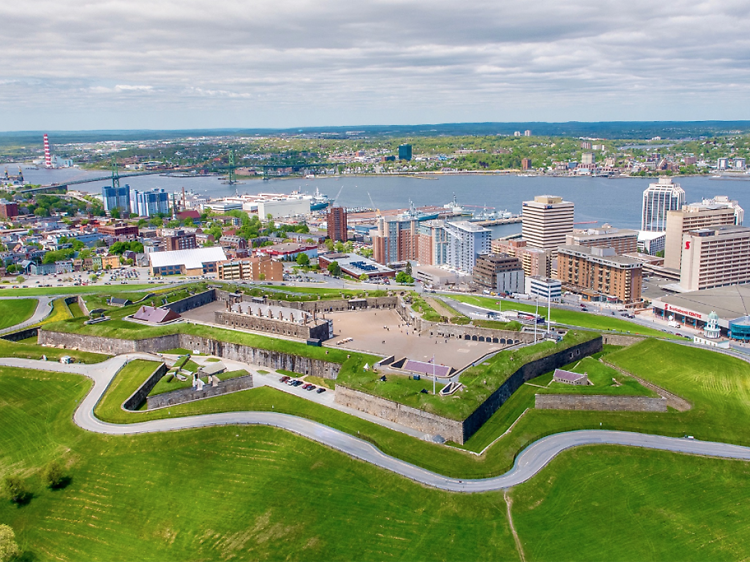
pixel 319 201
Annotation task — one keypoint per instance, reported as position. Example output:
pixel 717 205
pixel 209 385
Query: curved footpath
pixel 42 310
pixel 531 460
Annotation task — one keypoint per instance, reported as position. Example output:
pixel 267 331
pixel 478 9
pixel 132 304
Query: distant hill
pixel 604 129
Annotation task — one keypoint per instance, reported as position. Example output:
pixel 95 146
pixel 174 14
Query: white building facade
pixel 466 240
pixel 658 199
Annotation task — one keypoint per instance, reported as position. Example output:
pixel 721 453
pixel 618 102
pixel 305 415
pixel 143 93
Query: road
pixel 528 463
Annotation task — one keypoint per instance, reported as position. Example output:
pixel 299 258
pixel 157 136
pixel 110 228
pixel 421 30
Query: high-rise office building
pixel 715 257
pixel 692 217
pixel 337 224
pixel 466 241
pixel 546 221
pixel 404 152
pixel 116 198
pixel 149 203
pixel 658 199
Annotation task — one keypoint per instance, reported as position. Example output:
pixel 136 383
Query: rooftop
pixel 191 259
pixel 728 302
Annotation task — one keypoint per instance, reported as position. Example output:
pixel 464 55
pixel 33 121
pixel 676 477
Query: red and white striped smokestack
pixel 47 155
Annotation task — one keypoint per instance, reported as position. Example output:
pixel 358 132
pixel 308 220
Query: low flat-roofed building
pixel 121 231
pixel 622 241
pixel 198 261
pixel 544 288
pixel 288 251
pixel 600 270
pixel 356 266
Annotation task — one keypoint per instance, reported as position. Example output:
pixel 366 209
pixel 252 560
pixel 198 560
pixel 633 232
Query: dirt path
pixel 673 401
pixel 440 308
pixel 509 504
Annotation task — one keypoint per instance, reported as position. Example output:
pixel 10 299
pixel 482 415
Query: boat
pixel 319 201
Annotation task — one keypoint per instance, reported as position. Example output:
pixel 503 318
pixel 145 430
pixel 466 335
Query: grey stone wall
pixel 95 344
pixel 225 350
pixel 617 339
pixel 525 373
pixel 451 430
pixel 272 326
pixel 337 305
pixel 189 394
pixel 22 335
pixel 475 333
pixel 140 395
pixel 191 302
pixel 600 403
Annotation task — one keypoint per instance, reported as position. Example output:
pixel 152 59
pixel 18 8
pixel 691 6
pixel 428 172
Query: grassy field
pixel 479 382
pixel 226 493
pixel 568 317
pixel 319 381
pixel 15 311
pixel 99 289
pixel 496 325
pixel 258 493
pixel 625 504
pixel 602 378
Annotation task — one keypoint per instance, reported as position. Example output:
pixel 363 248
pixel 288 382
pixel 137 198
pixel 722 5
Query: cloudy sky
pixel 80 64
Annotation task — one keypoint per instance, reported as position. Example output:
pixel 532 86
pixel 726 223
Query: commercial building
pixel 731 305
pixel 658 199
pixel 283 207
pixel 692 217
pixel 546 222
pixel 651 242
pixel 499 272
pixel 122 231
pixel 588 158
pixel 288 251
pixel 222 207
pixel 404 152
pixel 149 203
pixel 395 239
pixel 621 241
pixel 198 261
pixel 599 272
pixel 466 241
pixel 544 288
pixel 356 266
pixel 255 268
pixel 337 225
pixel 724 201
pixel 526 164
pixel 180 241
pixel 715 257
pixel 534 261
pixel 8 209
pixel 116 198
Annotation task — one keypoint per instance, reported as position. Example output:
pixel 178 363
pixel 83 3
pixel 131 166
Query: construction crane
pixel 377 211
pixel 333 203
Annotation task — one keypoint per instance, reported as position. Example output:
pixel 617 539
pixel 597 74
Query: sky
pixel 166 64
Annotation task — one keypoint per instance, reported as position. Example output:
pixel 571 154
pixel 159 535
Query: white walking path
pixel 531 460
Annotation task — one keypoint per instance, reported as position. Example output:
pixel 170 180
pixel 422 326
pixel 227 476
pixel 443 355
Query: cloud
pixel 111 63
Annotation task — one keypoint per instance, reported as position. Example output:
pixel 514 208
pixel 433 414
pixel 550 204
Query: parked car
pixel 310 387
pixel 320 390
pixel 285 378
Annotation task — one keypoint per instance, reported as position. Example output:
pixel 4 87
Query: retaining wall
pixel 617 339
pixel 189 394
pixel 600 403
pixel 191 302
pixel 225 350
pixel 476 333
pixel 140 395
pixel 525 373
pixel 272 326
pixel 450 430
pixel 22 335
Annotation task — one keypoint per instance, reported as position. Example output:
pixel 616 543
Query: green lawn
pixel 601 376
pixel 223 493
pixel 496 325
pixel 99 289
pixel 567 317
pixel 319 381
pixel 479 382
pixel 75 310
pixel 15 311
pixel 625 504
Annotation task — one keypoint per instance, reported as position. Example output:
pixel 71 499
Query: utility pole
pixel 536 297
pixel 433 375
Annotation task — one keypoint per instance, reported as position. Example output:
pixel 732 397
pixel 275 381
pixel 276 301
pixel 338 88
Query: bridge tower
pixel 115 174
pixel 47 154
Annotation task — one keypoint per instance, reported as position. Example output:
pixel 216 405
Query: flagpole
pixel 433 374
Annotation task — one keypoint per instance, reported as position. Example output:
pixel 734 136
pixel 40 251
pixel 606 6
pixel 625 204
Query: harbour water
pixel 613 201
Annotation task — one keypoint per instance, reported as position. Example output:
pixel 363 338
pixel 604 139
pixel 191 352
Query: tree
pixel 8 546
pixel 262 277
pixel 303 260
pixel 189 222
pixel 20 279
pixel 348 247
pixel 329 244
pixel 402 277
pixel 363 277
pixel 54 475
pixel 115 213
pixel 334 268
pixel 17 489
pixel 407 269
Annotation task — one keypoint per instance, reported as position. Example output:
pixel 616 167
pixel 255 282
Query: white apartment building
pixel 658 199
pixel 466 240
pixel 546 222
pixel 715 257
pixel 724 201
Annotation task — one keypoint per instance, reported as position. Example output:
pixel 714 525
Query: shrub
pixel 17 489
pixel 8 546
